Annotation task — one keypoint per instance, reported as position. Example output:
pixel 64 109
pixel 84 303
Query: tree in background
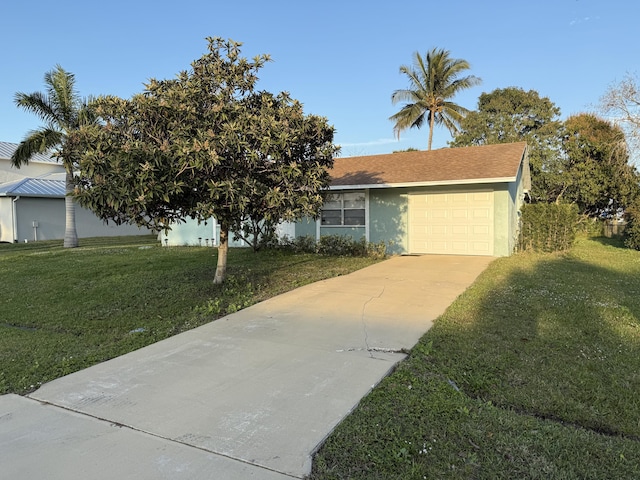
pixel 622 103
pixel 596 174
pixel 513 115
pixel 63 112
pixel 433 82
pixel 203 145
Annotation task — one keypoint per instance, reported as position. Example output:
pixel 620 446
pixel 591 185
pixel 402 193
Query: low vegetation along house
pixel 462 201
pixel 32 203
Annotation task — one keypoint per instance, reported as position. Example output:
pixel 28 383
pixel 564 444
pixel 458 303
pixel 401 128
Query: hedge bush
pixel 632 230
pixel 338 245
pixel 548 227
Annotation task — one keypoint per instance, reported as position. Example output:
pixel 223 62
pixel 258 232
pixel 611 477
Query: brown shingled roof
pixel 446 165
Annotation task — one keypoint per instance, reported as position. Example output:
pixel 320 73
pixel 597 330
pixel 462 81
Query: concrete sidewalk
pixel 251 395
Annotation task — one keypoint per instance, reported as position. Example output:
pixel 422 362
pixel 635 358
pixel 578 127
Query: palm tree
pixel 433 82
pixel 63 112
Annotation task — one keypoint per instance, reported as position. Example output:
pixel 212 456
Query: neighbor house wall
pixel 49 213
pixel 6 220
pixel 8 173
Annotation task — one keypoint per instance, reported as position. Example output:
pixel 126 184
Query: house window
pixel 343 209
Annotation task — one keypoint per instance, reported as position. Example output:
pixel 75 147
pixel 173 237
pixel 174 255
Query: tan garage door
pixel 451 223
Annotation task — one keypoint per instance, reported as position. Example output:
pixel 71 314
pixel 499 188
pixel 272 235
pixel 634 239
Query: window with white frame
pixel 343 209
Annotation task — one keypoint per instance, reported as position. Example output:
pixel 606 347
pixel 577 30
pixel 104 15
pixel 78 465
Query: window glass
pixel 331 217
pixel 354 217
pixel 354 200
pixel 333 201
pixel 346 208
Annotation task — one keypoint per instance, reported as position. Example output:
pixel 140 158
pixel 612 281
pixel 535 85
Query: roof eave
pixel 470 181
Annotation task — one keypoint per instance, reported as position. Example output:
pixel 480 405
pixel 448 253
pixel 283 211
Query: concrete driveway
pixel 251 395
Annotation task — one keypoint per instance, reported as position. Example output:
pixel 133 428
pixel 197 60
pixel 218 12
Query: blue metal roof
pixel 7 149
pixel 33 187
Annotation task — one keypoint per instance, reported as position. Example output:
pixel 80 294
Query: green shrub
pixel 590 226
pixel 335 245
pixel 632 230
pixel 548 227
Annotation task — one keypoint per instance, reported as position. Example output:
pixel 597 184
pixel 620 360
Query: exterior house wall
pixel 6 219
pixel 305 228
pixel 49 213
pixel 516 192
pixel 8 173
pixel 387 216
pixel 192 233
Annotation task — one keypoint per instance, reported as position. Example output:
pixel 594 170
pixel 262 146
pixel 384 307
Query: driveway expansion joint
pixel 115 424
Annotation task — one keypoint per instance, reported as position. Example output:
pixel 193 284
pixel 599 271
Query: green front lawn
pixel 534 372
pixel 62 310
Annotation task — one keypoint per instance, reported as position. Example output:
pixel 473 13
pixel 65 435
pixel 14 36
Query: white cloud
pixel 577 21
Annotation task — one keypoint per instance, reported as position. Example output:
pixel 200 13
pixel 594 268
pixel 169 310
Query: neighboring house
pixel 463 201
pixel 32 203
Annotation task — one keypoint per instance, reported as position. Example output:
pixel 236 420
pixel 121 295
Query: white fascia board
pixel 471 181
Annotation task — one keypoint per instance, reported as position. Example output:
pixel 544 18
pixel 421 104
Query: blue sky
pixel 339 58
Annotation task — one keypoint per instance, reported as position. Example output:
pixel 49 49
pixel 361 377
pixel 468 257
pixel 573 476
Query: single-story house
pixel 32 203
pixel 462 201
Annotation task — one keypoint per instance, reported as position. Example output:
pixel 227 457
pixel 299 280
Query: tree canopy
pixel 203 145
pixel 63 111
pixel 433 81
pixel 514 115
pixel 596 174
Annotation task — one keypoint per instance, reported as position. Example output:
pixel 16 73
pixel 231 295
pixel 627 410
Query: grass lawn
pixel 62 310
pixel 533 373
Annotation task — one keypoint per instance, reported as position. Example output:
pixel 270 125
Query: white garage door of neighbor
pixel 451 223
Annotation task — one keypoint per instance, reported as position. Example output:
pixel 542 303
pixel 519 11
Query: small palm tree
pixel 434 80
pixel 63 112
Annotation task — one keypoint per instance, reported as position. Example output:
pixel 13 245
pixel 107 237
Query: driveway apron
pixel 251 395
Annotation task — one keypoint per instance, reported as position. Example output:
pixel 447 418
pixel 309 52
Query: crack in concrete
pixel 364 322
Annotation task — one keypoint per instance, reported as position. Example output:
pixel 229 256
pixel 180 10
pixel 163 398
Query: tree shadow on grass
pixel 557 338
pixel 615 241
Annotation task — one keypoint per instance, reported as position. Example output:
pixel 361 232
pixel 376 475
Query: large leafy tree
pixel 514 115
pixel 203 145
pixel 596 174
pixel 433 82
pixel 63 112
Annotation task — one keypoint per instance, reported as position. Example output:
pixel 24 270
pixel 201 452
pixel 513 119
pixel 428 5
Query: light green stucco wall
pixel 355 232
pixel 306 227
pixel 388 216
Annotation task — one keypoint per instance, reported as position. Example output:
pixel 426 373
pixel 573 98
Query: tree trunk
pixel 223 249
pixel 70 233
pixel 431 125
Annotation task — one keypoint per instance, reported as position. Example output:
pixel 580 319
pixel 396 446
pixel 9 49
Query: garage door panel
pixel 451 223
pixel 459 213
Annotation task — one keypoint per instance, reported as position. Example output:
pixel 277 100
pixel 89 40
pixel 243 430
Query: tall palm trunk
pixel 70 233
pixel 432 122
